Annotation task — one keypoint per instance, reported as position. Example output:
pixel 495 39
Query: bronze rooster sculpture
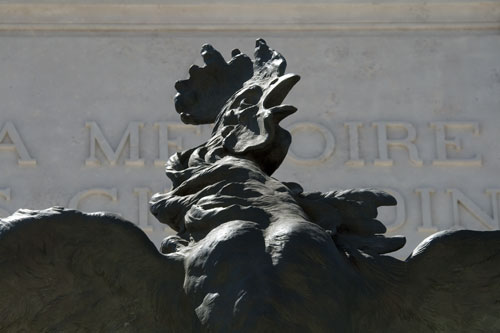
pixel 251 253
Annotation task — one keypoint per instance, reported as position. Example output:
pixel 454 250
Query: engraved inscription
pixel 328 144
pixel 459 198
pixel 143 195
pixel 9 132
pixel 400 218
pixel 97 138
pixel 353 133
pixel 371 146
pixel 164 141
pixel 426 209
pixel 443 144
pixel 384 143
pixel 111 194
pixel 5 195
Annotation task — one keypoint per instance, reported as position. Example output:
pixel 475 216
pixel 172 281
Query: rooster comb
pixel 202 96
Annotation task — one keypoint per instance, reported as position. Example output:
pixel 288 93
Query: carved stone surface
pixel 101 89
pixel 251 253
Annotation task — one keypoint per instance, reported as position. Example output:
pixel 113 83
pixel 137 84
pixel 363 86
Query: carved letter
pixel 9 130
pixel 384 143
pixel 352 128
pixel 400 218
pixel 163 141
pixel 493 193
pixel 143 194
pixel 97 138
pixel 457 197
pixel 328 148
pixel 109 193
pixel 4 194
pixel 442 143
pixel 426 209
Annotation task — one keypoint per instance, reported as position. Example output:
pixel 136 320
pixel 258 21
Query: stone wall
pixel 399 95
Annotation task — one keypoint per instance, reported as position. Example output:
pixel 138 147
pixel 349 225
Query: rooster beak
pixel 280 112
pixel 279 89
